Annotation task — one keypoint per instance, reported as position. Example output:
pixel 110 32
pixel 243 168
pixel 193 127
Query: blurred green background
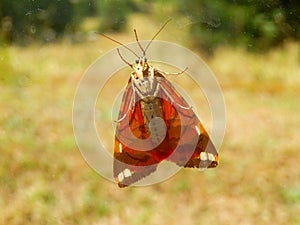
pixel 253 49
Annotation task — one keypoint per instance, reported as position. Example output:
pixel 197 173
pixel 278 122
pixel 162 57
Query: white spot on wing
pixel 197 129
pixel 121 177
pixel 120 147
pixel 211 157
pixel 203 156
pixel 127 173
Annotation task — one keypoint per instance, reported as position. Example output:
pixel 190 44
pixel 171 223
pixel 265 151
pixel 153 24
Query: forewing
pixel 184 129
pixel 196 148
pixel 131 165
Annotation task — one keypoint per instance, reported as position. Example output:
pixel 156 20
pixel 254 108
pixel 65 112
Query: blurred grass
pixel 45 180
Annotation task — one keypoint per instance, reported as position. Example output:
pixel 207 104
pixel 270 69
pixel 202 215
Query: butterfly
pixel 155 123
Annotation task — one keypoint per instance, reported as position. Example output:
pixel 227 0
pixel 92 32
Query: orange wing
pixel 186 142
pixel 195 148
pixel 131 165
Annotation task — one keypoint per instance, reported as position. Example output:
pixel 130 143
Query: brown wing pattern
pixel 196 148
pixel 186 143
pixel 131 165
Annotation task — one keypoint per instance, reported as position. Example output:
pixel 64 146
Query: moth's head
pixel 141 61
pixel 140 67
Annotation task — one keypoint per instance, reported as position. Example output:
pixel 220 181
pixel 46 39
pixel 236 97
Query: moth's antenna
pixel 160 29
pixel 123 58
pixel 119 44
pixel 137 40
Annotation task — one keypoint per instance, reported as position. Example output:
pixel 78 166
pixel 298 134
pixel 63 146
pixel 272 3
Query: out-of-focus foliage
pixel 42 19
pixel 255 23
pixel 258 24
pixel 114 13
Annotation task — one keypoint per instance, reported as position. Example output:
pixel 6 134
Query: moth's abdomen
pixel 153 118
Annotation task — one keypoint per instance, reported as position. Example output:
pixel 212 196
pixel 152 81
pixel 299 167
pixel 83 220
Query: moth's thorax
pixel 143 79
pixel 145 85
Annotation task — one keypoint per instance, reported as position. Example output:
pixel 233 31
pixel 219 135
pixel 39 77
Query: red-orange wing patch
pixel 186 143
pixel 196 148
pixel 131 165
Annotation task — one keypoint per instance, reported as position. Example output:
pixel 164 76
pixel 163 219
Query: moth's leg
pixel 151 75
pixel 132 99
pixel 166 73
pixel 156 90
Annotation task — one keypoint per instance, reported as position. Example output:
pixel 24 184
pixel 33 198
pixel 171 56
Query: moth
pixel 155 123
